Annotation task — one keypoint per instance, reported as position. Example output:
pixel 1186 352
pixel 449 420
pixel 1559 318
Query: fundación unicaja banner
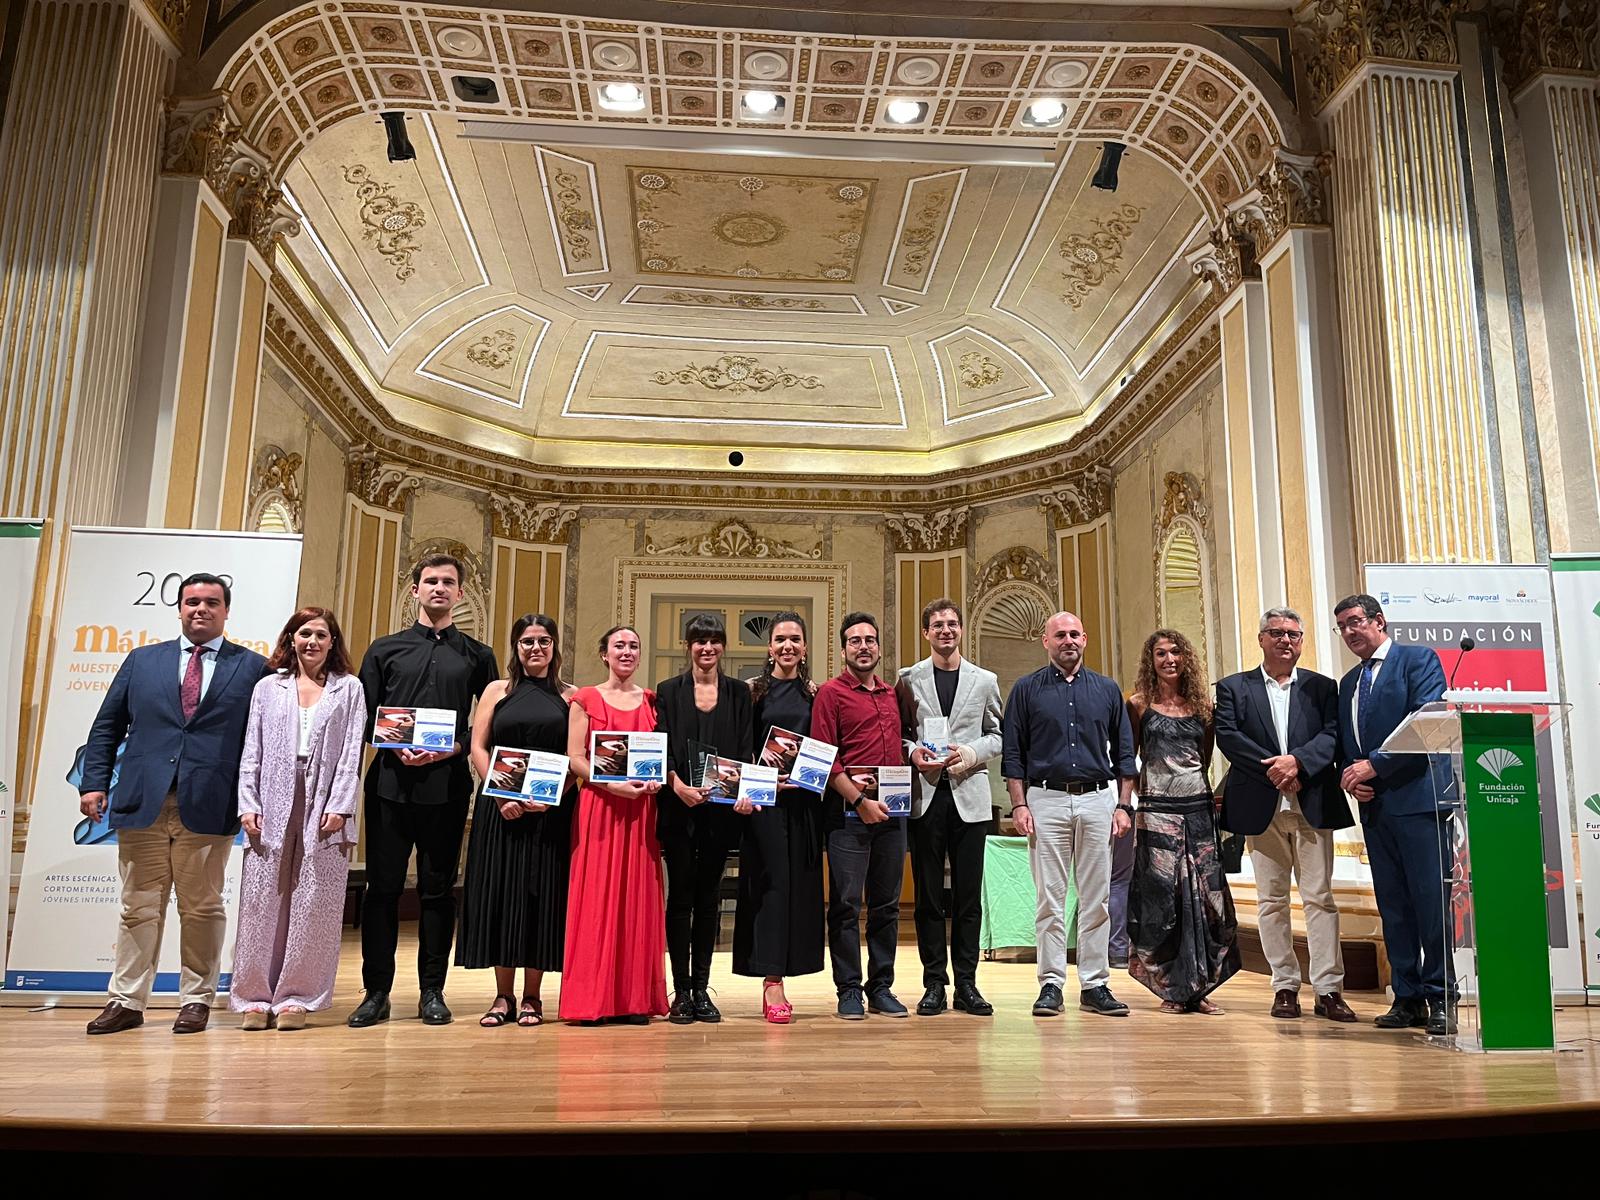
pixel 1508 611
pixel 121 591
pixel 19 561
pixel 1577 587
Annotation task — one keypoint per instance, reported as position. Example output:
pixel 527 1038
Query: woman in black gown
pixel 779 926
pixel 514 900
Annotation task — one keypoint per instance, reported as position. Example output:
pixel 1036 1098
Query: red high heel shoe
pixel 775 1014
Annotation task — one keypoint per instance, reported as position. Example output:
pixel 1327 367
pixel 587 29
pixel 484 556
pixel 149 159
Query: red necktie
pixel 189 693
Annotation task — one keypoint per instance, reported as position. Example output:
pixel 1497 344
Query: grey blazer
pixel 974 722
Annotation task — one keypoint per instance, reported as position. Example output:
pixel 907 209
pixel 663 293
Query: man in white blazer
pixel 950 807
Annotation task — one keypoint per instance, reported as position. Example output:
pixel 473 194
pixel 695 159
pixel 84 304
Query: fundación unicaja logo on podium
pixel 1497 761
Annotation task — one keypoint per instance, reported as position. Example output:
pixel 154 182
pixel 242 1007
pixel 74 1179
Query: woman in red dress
pixel 616 925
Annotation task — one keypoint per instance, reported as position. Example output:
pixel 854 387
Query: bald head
pixel 1064 640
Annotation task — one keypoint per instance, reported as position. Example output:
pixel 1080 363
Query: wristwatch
pixel 1127 808
pixel 852 805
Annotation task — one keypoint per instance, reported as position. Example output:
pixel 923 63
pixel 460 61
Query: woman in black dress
pixel 779 927
pixel 514 901
pixel 704 708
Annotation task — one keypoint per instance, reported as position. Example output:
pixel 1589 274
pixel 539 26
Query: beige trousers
pixel 1290 844
pixel 151 862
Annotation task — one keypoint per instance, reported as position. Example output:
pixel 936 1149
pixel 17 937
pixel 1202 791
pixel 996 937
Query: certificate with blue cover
pixel 395 727
pixel 627 757
pixel 731 781
pixel 806 761
pixel 889 785
pixel 531 776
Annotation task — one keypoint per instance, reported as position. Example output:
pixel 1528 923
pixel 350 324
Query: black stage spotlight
pixel 400 148
pixel 1105 176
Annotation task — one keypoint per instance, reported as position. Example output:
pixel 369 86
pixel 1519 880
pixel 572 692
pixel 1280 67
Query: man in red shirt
pixel 860 714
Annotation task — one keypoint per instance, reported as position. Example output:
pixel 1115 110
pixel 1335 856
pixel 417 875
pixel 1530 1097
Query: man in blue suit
pixel 1402 819
pixel 183 706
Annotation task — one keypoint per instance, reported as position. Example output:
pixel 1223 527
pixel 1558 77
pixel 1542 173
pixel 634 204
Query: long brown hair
pixel 283 655
pixel 762 683
pixel 1192 685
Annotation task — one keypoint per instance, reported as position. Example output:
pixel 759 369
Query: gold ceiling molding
pixel 1340 35
pixel 1183 498
pixel 545 523
pixel 920 533
pixel 731 539
pixel 172 15
pixel 313 360
pixel 572 199
pixel 277 479
pixel 1013 564
pixel 736 374
pixel 1535 36
pixel 1084 496
pixel 1094 254
pixel 203 139
pixel 930 203
pixel 388 223
pixel 375 482
pixel 1227 259
pixel 327 62
pixel 976 371
pixel 1291 193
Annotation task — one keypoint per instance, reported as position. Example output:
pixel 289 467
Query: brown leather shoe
pixel 114 1018
pixel 1334 1008
pixel 1286 1004
pixel 192 1018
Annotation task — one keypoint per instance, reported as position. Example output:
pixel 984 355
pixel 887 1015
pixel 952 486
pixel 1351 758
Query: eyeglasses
pixel 1353 623
pixel 1284 635
pixel 869 640
pixel 543 643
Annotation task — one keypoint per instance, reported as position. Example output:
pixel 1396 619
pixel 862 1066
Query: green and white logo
pixel 1497 760
pixel 1593 803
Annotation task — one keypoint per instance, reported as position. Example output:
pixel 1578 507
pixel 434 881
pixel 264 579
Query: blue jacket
pixel 1406 784
pixel 199 758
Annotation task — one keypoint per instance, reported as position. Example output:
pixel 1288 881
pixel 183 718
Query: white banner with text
pixel 1577 586
pixel 19 560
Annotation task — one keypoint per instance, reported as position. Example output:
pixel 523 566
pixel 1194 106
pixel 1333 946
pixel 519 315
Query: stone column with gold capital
pixel 219 218
pixel 1427 463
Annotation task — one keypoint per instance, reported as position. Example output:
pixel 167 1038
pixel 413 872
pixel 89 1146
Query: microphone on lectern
pixel 1466 645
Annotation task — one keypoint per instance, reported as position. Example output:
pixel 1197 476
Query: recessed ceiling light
pixel 906 112
pixel 761 104
pixel 1046 110
pixel 621 97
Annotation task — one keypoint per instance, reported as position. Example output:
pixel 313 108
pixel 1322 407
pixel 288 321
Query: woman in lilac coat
pixel 297 802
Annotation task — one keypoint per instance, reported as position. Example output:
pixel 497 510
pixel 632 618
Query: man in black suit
pixel 1279 727
pixel 183 706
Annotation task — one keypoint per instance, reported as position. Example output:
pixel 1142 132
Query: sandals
pixel 1172 1008
pixel 775 1014
pixel 531 1012
pixel 493 1019
pixel 1205 1008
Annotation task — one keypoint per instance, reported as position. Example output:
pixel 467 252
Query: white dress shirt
pixel 1278 698
pixel 1377 658
pixel 208 661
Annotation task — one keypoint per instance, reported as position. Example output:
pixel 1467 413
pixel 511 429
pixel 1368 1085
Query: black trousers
pixel 694 844
pixel 937 834
pixel 871 860
pixel 394 829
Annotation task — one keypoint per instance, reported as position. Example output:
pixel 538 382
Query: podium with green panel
pixel 1492 864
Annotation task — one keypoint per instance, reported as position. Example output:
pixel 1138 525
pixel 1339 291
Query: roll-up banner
pixel 19 559
pixel 121 591
pixel 1508 611
pixel 1577 587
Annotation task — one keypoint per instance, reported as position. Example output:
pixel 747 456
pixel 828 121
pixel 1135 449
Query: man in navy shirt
pixel 1066 743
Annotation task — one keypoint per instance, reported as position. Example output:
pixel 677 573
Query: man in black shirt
pixel 952 808
pixel 418 798
pixel 1067 742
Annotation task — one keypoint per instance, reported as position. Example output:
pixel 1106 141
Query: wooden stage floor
pixel 954 1080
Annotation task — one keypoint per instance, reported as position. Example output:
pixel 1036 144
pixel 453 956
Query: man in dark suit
pixel 1401 814
pixel 1279 727
pixel 183 706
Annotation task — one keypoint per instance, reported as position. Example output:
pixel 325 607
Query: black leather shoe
pixel 1100 1000
pixel 1049 1002
pixel 372 1009
pixel 970 1000
pixel 704 1010
pixel 932 1002
pixel 682 1010
pixel 1441 1020
pixel 1403 1014
pixel 431 1008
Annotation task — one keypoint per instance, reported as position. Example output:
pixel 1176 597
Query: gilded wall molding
pixel 1015 564
pixel 1183 498
pixel 1538 36
pixel 542 523
pixel 277 479
pixel 1340 35
pixel 172 15
pixel 1226 259
pixel 925 533
pixel 1291 193
pixel 1083 497
pixel 381 484
pixel 731 539
pixel 204 140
